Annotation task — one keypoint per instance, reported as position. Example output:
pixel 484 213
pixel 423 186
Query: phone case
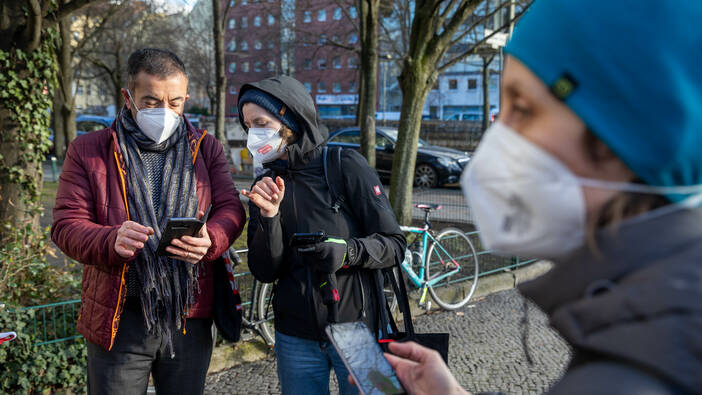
pixel 175 228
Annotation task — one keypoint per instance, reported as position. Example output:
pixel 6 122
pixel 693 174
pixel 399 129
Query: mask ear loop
pixel 282 141
pixel 132 99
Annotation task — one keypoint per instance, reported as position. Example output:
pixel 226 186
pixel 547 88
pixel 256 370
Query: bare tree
pixel 219 17
pixel 69 68
pixel 437 26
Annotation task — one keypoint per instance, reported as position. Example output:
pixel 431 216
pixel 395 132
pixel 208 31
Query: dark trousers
pixel 136 353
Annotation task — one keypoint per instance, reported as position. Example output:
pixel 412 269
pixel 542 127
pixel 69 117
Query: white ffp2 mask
pixel 265 144
pixel 158 124
pixel 526 202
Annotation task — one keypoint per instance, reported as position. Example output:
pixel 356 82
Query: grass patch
pixel 48 193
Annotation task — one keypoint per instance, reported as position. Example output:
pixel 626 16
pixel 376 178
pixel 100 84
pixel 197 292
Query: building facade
pixel 315 41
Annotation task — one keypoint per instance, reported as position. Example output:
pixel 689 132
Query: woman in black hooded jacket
pixel 291 196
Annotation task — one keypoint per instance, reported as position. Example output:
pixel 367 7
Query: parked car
pixel 91 123
pixel 435 165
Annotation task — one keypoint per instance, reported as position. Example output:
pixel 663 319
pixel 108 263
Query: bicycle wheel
pixel 452 249
pixel 390 293
pixel 265 313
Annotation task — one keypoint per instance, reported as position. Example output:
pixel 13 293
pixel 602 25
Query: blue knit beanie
pixel 271 104
pixel 632 71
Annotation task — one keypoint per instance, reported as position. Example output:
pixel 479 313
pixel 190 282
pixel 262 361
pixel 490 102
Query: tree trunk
pixel 486 91
pixel 64 103
pixel 415 88
pixel 15 207
pixel 221 76
pixel 369 77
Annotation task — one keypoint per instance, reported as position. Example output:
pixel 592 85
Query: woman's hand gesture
pixel 267 195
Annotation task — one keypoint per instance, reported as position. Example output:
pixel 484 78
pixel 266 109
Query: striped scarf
pixel 168 285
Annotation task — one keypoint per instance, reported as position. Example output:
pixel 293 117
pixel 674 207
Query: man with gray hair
pixel 143 313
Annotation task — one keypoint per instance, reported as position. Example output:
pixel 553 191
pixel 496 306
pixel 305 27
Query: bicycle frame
pixel 418 278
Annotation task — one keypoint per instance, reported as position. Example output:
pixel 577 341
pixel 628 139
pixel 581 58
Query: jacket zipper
pixel 363 294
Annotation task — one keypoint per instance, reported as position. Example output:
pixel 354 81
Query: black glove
pixel 327 256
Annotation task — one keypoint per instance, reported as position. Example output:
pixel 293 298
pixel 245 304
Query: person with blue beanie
pixel 595 163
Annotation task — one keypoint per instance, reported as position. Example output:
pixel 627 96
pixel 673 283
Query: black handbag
pixel 435 341
pixel 227 300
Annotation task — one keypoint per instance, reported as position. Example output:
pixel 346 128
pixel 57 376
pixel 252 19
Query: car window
pixel 382 141
pixel 89 126
pixel 350 137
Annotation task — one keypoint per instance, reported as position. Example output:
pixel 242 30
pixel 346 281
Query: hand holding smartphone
pixel 177 227
pixel 364 358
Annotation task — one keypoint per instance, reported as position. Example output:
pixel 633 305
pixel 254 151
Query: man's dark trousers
pixel 136 353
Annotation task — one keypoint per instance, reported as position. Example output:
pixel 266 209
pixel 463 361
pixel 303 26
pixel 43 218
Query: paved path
pixel 486 352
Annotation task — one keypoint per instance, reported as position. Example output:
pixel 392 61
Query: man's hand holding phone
pixel 191 249
pixel 267 195
pixel 131 237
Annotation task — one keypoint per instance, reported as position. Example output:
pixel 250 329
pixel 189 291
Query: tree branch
pixel 32 31
pixel 474 48
pixel 68 8
pixel 476 24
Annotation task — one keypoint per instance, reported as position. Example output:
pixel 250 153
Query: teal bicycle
pixel 447 263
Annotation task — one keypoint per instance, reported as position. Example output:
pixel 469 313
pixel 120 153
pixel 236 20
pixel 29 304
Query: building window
pixel 435 86
pixel 244 22
pixel 258 66
pixel 308 17
pixel 321 86
pixel 322 39
pixel 271 20
pixel 322 64
pixel 244 2
pixel 232 46
pixel 257 20
pixel 270 66
pixel 336 87
pixel 308 86
pixel 353 38
pixel 270 44
pixel 335 38
pixel 245 67
pixel 244 46
pixel 336 62
pixel 453 84
pixel 232 23
pixel 232 67
pixel 337 13
pixel 257 44
pixel 232 89
pixel 321 15
pixel 232 3
pixel 353 12
pixel 352 86
pixel 472 83
pixel 308 64
pixel 353 63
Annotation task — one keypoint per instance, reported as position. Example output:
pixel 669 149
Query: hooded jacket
pixel 633 311
pixel 367 218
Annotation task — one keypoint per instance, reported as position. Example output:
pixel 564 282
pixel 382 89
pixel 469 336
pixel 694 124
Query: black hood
pixel 295 96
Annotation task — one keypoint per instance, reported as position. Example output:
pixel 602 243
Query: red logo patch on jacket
pixel 377 190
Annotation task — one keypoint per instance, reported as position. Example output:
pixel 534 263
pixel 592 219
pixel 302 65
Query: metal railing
pixel 56 322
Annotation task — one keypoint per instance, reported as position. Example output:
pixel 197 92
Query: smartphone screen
pixel 364 358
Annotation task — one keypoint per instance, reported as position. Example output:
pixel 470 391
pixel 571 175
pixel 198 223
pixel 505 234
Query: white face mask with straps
pixel 265 144
pixel 158 124
pixel 526 202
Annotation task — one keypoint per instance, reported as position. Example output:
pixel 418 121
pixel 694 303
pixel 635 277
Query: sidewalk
pixel 485 351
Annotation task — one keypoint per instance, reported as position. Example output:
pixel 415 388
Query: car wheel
pixel 425 176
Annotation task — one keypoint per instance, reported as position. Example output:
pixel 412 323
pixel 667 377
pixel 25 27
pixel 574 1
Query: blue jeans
pixel 304 366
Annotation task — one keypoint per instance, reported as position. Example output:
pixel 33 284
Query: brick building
pixel 315 41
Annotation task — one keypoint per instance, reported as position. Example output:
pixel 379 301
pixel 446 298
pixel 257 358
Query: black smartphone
pixel 303 239
pixel 364 358
pixel 177 227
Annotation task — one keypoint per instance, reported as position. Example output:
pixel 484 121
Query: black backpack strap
pixel 338 199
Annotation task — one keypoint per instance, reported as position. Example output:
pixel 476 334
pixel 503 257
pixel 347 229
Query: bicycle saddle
pixel 428 207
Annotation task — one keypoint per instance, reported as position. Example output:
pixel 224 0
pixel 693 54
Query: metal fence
pixel 56 322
